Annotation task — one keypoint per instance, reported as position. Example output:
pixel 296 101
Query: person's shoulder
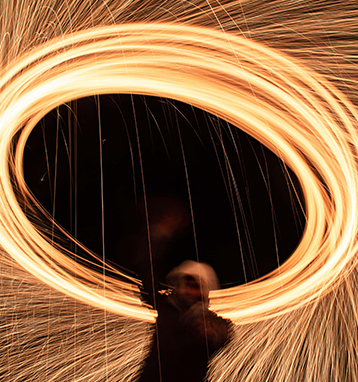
pixel 224 327
pixel 212 315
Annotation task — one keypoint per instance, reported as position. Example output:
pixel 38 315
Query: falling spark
pixel 297 323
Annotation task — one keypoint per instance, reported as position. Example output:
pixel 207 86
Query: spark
pixel 289 325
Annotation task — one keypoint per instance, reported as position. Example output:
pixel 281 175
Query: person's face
pixel 189 291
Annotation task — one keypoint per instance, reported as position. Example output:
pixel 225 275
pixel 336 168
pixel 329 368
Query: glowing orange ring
pixel 293 111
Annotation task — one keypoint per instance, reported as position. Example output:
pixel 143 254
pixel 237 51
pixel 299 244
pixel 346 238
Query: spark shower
pixel 284 73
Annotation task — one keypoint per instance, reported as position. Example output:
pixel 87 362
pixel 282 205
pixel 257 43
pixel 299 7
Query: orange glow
pixel 292 109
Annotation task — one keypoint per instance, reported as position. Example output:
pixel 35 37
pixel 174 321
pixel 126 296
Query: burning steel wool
pixel 285 73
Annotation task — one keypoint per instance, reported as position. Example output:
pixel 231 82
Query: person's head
pixel 192 282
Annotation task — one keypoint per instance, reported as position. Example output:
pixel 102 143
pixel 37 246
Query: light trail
pixel 308 305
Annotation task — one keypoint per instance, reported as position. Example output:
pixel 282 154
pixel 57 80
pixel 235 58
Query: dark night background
pixel 63 170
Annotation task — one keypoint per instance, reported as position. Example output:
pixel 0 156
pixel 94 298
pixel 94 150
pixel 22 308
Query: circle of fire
pixel 292 110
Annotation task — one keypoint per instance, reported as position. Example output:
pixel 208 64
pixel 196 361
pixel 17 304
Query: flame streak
pixel 296 323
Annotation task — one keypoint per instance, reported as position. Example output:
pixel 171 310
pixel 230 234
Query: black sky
pixel 124 139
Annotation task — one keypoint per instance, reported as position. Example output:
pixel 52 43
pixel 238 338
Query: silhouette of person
pixel 188 333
